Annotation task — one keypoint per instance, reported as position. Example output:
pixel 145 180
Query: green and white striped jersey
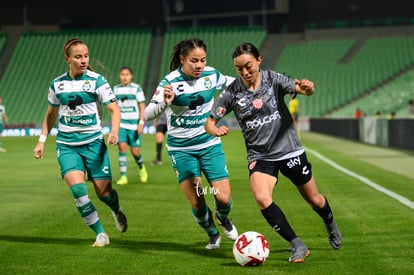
pixel 190 109
pixel 128 98
pixel 80 101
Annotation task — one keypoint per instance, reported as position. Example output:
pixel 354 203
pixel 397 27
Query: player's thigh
pixel 213 163
pixel 69 159
pixel 97 160
pixel 134 139
pixel 122 135
pixel 185 165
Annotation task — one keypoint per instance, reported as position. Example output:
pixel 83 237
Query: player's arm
pixel 141 107
pixel 304 87
pixel 212 129
pixel 113 109
pixel 48 121
pixel 162 98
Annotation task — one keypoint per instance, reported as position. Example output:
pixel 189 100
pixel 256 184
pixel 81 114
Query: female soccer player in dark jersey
pixel 75 97
pixel 272 143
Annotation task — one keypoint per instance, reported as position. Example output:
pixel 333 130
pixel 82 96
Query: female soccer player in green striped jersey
pixel 75 98
pixel 186 95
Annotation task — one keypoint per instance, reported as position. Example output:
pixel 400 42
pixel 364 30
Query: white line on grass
pixel 368 182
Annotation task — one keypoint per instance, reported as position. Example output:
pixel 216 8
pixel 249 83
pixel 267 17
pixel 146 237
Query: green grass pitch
pixel 41 231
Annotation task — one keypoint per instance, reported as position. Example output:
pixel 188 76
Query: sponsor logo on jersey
pixel 263 120
pixel 293 162
pixel 61 86
pixel 78 121
pixel 180 121
pixel 242 102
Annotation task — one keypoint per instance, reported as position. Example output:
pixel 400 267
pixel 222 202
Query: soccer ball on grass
pixel 250 249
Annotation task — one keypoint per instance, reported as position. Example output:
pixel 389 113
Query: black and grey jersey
pixel 265 121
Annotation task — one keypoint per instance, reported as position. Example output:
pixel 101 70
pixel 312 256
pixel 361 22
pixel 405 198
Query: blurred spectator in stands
pixel 411 108
pixel 391 115
pixel 3 119
pixel 358 113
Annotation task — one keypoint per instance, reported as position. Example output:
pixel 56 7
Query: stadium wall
pixel 394 133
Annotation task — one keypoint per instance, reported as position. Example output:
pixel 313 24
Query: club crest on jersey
pixel 220 111
pixel 207 82
pixel 258 103
pixel 86 85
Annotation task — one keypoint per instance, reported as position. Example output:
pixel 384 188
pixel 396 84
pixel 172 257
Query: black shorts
pixel 161 128
pixel 297 169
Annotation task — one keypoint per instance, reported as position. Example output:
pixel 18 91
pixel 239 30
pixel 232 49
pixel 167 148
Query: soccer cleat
pixel 214 241
pixel 121 221
pixel 334 235
pixel 156 162
pixel 299 254
pixel 228 228
pixel 122 180
pixel 102 239
pixel 142 173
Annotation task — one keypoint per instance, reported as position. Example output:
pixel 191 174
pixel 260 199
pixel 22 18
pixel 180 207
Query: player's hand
pixel 306 86
pixel 140 129
pixel 168 94
pixel 221 131
pixel 112 138
pixel 38 150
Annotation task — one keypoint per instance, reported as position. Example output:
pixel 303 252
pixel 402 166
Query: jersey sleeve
pixel 285 85
pixel 156 105
pixel 222 105
pixel 104 91
pixel 223 81
pixel 140 94
pixel 51 96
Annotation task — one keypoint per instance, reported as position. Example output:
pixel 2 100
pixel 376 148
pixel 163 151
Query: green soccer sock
pixel 111 200
pixel 204 218
pixel 223 210
pixel 139 160
pixel 86 208
pixel 122 161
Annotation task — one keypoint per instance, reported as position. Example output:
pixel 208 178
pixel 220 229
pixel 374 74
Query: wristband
pixel 42 138
pixel 141 122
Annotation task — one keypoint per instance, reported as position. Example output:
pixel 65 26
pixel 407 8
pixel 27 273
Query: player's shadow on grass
pixel 196 248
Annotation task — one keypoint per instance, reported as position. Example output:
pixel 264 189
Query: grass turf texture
pixel 41 231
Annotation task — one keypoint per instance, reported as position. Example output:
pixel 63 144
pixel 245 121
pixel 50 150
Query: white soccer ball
pixel 250 249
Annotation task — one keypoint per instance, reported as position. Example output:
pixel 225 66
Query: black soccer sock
pixel 325 212
pixel 158 151
pixel 277 220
